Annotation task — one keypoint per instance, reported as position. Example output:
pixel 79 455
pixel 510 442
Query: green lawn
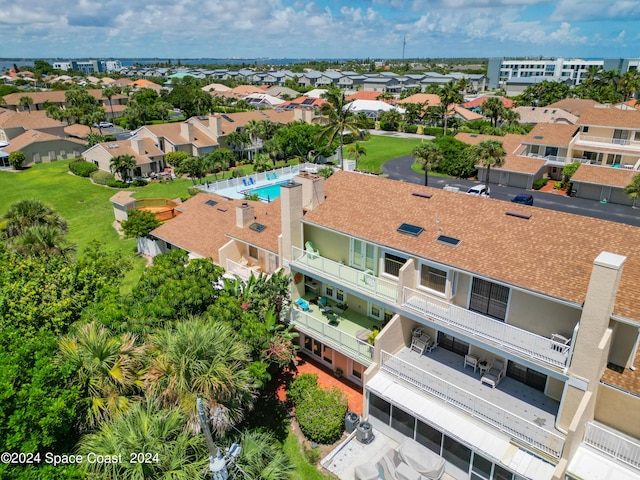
pixel 382 149
pixel 418 169
pixel 302 469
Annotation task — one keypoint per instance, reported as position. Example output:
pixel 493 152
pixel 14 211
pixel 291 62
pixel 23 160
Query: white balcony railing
pixel 612 444
pixel 349 276
pixel 243 271
pixel 607 140
pixel 507 336
pixel 511 424
pixel 343 342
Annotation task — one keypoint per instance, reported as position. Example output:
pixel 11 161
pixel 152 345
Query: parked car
pixel 102 125
pixel 523 199
pixel 479 190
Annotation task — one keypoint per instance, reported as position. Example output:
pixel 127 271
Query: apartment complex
pixel 89 67
pixel 506 335
pixel 501 70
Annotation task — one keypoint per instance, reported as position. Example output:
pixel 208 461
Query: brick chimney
pixel 244 215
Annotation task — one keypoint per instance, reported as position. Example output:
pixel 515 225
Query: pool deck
pixel 237 187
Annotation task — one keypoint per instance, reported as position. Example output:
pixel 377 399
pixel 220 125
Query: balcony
pixel 549 159
pixel 513 408
pixel 506 336
pixel 242 271
pixel 613 444
pixel 341 336
pixel 624 144
pixel 346 276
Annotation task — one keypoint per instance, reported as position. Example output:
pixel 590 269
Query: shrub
pixel 312 455
pixel 411 128
pixel 558 185
pixel 301 386
pixel 101 178
pixel 17 159
pixel 82 168
pixel 434 131
pixel 387 126
pixel 538 184
pixel 117 184
pixel 192 191
pixel 139 183
pixel 321 415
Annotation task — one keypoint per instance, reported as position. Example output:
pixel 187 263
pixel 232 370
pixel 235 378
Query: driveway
pixel 400 169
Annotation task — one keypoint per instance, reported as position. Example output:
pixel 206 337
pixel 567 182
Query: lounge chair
pixel 268 177
pixel 496 372
pixel 251 181
pixel 304 306
pixel 244 182
pixel 274 175
pixel 311 250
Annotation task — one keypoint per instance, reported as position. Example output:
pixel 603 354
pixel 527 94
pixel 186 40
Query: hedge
pixel 82 168
pixel 321 414
pixel 117 184
pixel 102 178
pixel 538 184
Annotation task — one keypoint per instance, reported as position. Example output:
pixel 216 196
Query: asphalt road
pixel 400 169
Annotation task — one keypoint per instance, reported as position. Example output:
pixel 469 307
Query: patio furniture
pixel 363 334
pixel 410 461
pixel 495 373
pixel 304 306
pixel 274 175
pixel 244 182
pixel 311 250
pixel 268 176
pixel 471 361
pixel 419 341
pixel 561 342
pixel 420 459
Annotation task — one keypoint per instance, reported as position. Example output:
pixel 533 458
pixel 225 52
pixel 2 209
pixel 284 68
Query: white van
pixel 479 190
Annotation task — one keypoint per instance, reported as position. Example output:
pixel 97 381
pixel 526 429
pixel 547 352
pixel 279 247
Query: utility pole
pixel 217 463
pixel 404 44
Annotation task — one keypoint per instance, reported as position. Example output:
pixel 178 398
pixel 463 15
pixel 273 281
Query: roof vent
pixel 422 195
pixel 513 213
pixel 454 242
pixel 539 137
pixel 222 209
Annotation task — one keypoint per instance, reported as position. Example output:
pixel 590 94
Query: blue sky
pixel 319 29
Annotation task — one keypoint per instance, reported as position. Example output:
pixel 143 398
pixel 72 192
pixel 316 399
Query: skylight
pixel 211 203
pixel 409 229
pixel 257 227
pixel 454 242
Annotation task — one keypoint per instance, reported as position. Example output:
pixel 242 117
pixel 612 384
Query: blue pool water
pixel 268 193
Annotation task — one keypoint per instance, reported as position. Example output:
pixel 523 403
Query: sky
pixel 322 29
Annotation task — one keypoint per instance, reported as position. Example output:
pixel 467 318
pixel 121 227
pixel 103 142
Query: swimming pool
pixel 267 193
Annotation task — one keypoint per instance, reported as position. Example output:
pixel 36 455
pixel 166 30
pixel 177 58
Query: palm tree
pixel 633 190
pixel 340 117
pixel 428 156
pixel 122 165
pixel 592 74
pixel 201 358
pixel 109 93
pixel 237 141
pixel 262 457
pixel 488 153
pixel 629 84
pixel 357 150
pixel 156 436
pixel 449 95
pixel 493 109
pixel 42 240
pixel 26 101
pixel 26 214
pixel 107 368
pixel 261 162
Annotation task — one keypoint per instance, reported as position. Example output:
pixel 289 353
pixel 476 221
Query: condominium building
pixel 504 338
pixel 89 67
pixel 500 70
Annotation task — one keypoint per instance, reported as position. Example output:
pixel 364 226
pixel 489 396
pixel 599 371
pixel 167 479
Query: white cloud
pixel 578 10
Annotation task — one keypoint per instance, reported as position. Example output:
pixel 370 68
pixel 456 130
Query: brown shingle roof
pixel 611 117
pixel 203 228
pixel 35 120
pixel 554 134
pixel 615 177
pixel 526 253
pixel 431 98
pixel 574 106
pixel 124 147
pixel 173 133
pixel 34 136
pixel 240 119
pixel 628 380
pixel 545 115
pixel 55 96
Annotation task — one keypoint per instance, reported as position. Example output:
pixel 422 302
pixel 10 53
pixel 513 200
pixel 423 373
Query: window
pixel 527 376
pixel 481 468
pixel 403 422
pixel 585 129
pixel 452 344
pixel 433 278
pixel 328 290
pixel 340 295
pixel 636 137
pixel 363 255
pixel 429 437
pixel 489 298
pixel 393 264
pixel 375 310
pixel 456 453
pixel 253 252
pixel 379 408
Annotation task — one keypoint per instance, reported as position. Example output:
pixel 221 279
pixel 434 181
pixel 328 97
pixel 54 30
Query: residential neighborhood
pixel 277 300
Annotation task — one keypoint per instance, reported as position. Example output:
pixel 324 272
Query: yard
pixel 382 149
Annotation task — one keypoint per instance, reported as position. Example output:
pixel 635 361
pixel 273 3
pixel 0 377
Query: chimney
pixel 302 114
pixel 186 130
pixel 291 216
pixel 137 145
pixel 215 126
pixel 244 215
pixel 312 189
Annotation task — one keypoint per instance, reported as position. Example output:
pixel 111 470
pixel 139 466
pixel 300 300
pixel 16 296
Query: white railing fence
pixel 612 444
pixel 499 418
pixel 365 282
pixel 508 336
pixel 614 141
pixel 332 336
